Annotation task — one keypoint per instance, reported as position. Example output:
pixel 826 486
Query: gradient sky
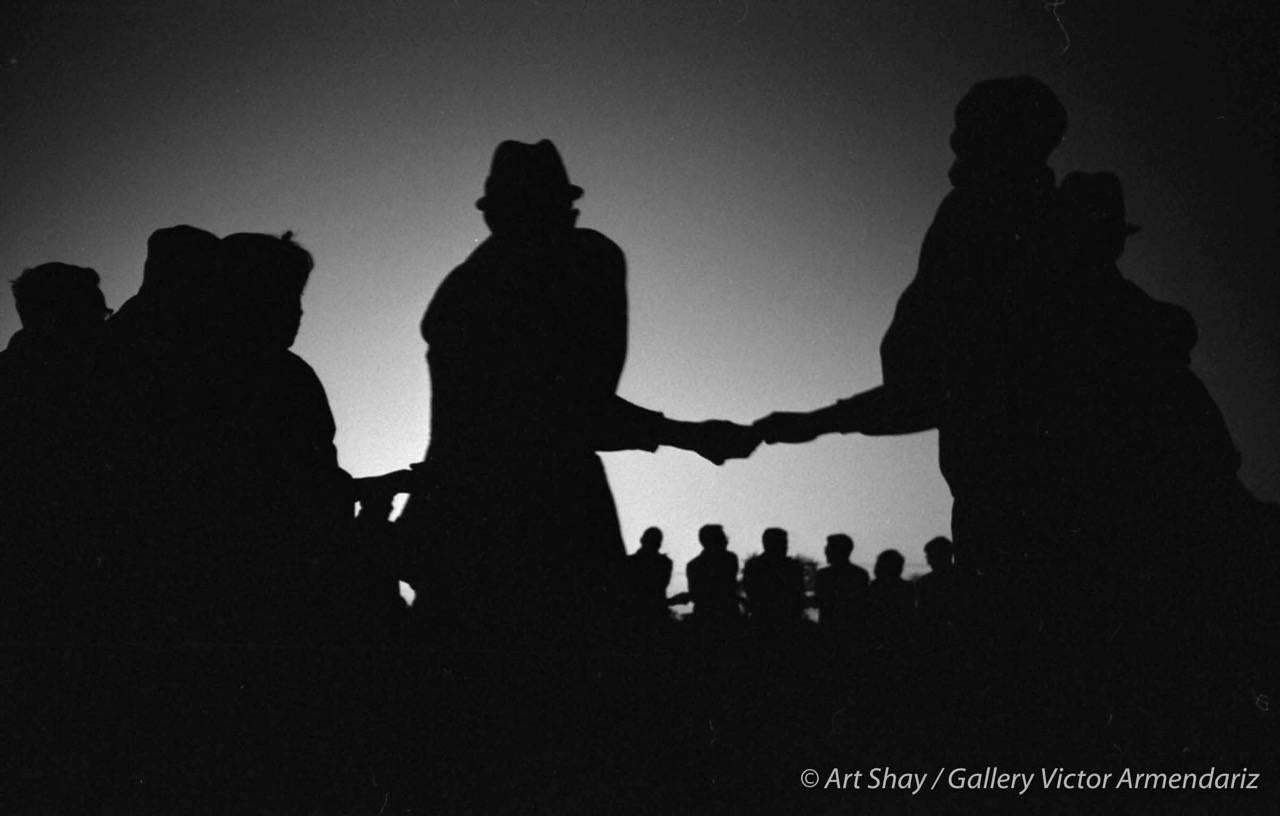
pixel 769 167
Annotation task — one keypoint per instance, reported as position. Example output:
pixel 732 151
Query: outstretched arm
pixel 882 411
pixel 635 428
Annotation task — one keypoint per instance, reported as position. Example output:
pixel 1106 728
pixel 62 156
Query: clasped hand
pixel 718 441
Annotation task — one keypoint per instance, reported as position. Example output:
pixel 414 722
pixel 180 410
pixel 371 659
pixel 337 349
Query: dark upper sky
pixel 770 169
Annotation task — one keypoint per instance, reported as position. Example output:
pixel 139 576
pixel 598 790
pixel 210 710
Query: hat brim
pixel 566 195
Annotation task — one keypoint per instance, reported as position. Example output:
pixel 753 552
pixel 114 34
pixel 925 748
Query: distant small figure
pixel 774 582
pixel 646 575
pixel 713 577
pixel 841 588
pixel 891 600
pixel 937 598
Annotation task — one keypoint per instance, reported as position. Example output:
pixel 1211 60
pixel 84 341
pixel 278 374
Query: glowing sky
pixel 769 168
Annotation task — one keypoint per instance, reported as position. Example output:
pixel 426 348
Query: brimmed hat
pixel 528 173
pixel 1098 198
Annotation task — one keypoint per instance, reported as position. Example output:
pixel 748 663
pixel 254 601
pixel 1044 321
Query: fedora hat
pixel 1098 198
pixel 527 173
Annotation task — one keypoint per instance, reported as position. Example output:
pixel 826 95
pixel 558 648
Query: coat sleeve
pixel 609 421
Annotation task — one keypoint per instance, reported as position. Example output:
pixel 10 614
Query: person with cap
pixel 511 511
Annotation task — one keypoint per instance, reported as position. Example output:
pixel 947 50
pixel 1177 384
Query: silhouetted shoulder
pixel 303 381
pixel 604 258
pixel 598 242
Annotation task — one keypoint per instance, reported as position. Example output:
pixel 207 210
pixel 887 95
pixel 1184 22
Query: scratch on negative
pixel 1052 7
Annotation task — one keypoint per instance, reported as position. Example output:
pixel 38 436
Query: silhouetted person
pixel 646 575
pixel 160 357
pixel 234 501
pixel 713 577
pixel 960 354
pixel 51 466
pixel 526 340
pixel 841 588
pixel 224 442
pixel 939 592
pixel 1154 423
pixel 774 583
pixel 1149 452
pixel 291 498
pixel 890 600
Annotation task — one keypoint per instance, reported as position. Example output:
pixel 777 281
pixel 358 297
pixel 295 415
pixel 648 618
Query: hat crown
pixel 527 172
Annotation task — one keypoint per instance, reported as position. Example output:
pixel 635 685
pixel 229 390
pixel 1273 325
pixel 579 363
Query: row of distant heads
pixel 775 540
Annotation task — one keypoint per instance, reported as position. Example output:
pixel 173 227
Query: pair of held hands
pixel 719 440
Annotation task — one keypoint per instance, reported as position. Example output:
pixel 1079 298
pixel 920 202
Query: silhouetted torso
pixel 841 591
pixel 224 443
pixel 774 588
pixel 526 342
pixel 646 576
pixel 51 480
pixel 890 610
pixel 963 335
pixel 713 585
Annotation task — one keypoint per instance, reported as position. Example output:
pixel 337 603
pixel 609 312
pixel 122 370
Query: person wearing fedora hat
pixel 526 179
pixel 512 518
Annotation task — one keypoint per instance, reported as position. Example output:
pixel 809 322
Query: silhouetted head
pixel 651 540
pixel 264 278
pixel 712 538
pixel 775 542
pixel 839 548
pixel 938 553
pixel 528 189
pixel 1093 205
pixel 889 566
pixel 183 263
pixel 1011 124
pixel 59 300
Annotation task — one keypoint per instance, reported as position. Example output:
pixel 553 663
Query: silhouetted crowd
pixel 202 608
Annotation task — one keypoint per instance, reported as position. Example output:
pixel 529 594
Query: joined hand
pixel 718 440
pixel 786 426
